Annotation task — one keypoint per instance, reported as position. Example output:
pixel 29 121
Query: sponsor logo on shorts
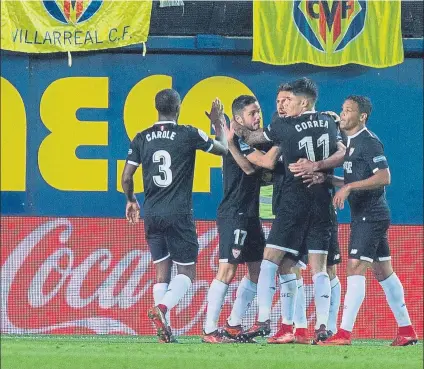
pixel 354 251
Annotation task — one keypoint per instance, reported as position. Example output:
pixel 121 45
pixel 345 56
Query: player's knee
pixel 253 270
pixel 357 267
pixel 226 272
pixel 382 270
pixel 332 271
pixel 298 271
pixel 188 270
pixel 273 255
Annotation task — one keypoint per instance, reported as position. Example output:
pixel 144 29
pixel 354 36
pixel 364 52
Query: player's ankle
pixel 301 331
pixel 406 330
pixel 162 308
pixel 344 333
pixel 288 328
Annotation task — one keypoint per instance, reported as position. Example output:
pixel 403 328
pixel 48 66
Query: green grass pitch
pixel 143 352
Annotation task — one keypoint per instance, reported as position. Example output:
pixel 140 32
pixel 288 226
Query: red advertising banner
pixel 95 276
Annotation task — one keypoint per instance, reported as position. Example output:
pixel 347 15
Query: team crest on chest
pixel 352 149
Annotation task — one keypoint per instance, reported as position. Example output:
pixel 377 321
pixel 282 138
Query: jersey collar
pixel 356 134
pixel 165 122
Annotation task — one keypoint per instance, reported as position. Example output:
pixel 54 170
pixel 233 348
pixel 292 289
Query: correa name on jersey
pixel 311 124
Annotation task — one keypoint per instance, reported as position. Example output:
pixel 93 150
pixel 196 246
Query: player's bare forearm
pixel 333 161
pixel 222 139
pixel 266 160
pixel 127 181
pixel 380 179
pixel 220 146
pixel 242 162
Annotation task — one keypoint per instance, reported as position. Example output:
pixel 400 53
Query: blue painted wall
pixel 397 95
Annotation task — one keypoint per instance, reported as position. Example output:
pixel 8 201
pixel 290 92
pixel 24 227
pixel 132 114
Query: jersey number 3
pixel 323 140
pixel 164 179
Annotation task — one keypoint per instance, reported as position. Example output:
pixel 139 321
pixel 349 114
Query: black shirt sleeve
pixel 200 139
pixel 373 154
pixel 245 148
pixel 134 152
pixel 272 131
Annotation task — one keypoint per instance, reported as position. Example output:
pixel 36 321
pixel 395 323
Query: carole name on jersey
pixel 311 124
pixel 161 134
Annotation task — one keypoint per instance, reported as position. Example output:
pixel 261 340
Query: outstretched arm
pixel 216 115
pixel 305 166
pixel 265 160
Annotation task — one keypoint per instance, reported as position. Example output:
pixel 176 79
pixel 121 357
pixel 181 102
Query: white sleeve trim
pixel 210 148
pixel 375 170
pixel 266 136
pixel 133 163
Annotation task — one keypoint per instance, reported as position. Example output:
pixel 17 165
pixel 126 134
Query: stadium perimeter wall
pixel 62 246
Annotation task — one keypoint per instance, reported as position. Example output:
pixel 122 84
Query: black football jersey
pixel 241 191
pixel 167 153
pixel 365 156
pixel 312 136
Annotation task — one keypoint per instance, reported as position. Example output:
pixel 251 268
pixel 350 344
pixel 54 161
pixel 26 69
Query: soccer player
pixel 241 238
pixel 366 173
pixel 302 168
pixel 167 154
pixel 304 216
pixel 292 293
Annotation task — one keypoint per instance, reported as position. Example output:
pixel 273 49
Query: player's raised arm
pixel 216 115
pixel 240 159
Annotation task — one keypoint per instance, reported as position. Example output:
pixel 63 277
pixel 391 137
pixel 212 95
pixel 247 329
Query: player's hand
pixel 314 178
pixel 302 167
pixel 340 197
pixel 216 114
pixel 229 132
pixel 132 211
pixel 334 115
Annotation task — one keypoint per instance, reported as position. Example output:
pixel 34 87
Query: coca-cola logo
pixel 96 276
pixel 58 278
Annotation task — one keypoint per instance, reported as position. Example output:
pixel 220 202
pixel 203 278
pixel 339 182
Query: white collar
pixel 356 134
pixel 165 122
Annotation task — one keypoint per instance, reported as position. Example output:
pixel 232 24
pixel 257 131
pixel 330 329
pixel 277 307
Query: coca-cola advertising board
pixel 95 276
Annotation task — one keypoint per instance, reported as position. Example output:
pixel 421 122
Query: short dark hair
pixel 167 101
pixel 283 87
pixel 364 103
pixel 302 86
pixel 241 102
